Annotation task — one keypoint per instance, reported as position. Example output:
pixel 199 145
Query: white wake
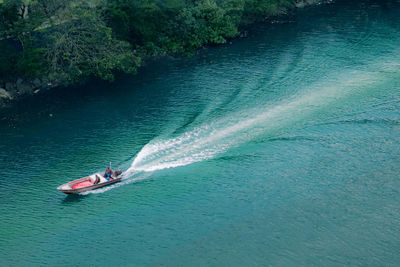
pixel 209 140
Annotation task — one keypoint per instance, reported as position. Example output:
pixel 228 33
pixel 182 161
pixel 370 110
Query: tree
pixel 18 38
pixel 81 45
pixel 68 41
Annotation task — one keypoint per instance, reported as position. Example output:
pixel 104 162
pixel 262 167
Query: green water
pixel 279 149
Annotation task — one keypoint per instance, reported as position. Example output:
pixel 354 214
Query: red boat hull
pixel 85 184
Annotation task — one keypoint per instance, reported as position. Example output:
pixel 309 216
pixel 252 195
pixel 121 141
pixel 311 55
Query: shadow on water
pixel 73 198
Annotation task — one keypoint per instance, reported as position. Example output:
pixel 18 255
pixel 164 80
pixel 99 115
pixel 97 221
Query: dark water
pixel 280 149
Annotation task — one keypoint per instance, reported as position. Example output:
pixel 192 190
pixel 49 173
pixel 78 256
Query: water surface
pixel 282 148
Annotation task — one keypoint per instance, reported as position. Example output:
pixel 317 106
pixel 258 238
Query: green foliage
pixel 176 26
pixel 84 46
pixel 30 63
pixel 260 9
pixel 8 59
pixel 19 50
pixel 67 41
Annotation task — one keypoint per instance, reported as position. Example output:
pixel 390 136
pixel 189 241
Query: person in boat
pixel 108 173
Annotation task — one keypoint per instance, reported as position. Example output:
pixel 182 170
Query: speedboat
pixel 91 182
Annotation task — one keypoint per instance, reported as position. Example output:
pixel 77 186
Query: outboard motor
pixel 117 173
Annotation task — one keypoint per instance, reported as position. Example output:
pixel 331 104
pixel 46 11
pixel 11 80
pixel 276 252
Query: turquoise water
pixel 279 149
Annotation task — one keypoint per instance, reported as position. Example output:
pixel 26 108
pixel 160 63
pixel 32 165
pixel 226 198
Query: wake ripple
pixel 209 140
pixel 134 177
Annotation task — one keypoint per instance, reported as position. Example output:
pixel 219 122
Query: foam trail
pixel 128 180
pixel 209 140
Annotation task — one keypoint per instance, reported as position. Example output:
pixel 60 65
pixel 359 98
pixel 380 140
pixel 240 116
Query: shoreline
pixel 15 89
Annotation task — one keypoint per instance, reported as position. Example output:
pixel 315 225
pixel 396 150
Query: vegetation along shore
pixel 50 43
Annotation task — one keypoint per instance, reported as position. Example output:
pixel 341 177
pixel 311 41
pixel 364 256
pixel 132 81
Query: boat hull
pixel 88 188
